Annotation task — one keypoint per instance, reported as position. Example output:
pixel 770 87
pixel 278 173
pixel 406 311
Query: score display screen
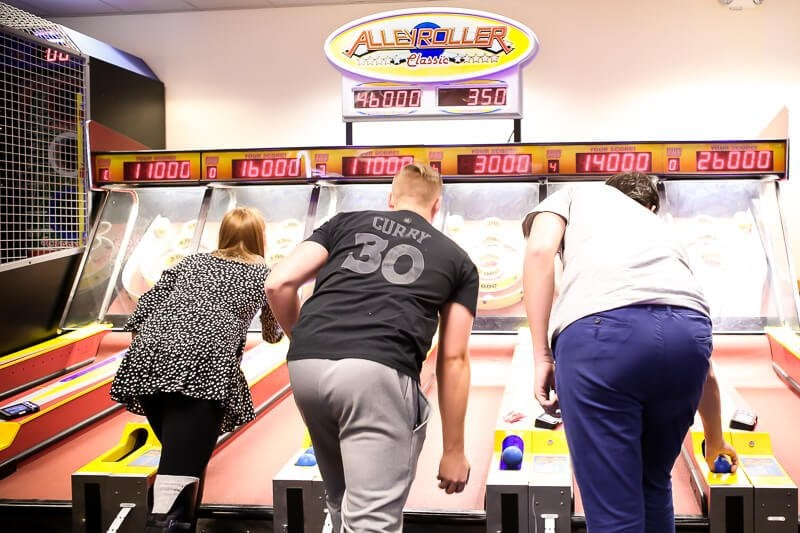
pixel 281 167
pixel 386 98
pixel 571 160
pixel 501 164
pixel 53 55
pixel 612 162
pixel 431 95
pixel 375 165
pixel 472 96
pixel 724 160
pixel 157 170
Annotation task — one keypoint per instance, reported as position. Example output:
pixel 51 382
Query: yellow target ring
pixel 500 286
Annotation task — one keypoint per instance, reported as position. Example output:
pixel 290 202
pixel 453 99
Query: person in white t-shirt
pixel 625 345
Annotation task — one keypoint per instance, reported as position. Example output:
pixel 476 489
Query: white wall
pixel 613 70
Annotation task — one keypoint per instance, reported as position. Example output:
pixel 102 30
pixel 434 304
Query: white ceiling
pixel 82 8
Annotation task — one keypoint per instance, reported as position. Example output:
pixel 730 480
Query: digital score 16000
pixel 562 161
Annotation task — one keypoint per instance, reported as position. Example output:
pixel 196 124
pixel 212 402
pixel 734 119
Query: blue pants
pixel 629 381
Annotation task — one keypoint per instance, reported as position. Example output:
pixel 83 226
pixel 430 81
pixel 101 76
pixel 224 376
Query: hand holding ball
pixel 722 465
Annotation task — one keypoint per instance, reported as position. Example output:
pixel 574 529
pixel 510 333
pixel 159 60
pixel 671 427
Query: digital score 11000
pixel 153 171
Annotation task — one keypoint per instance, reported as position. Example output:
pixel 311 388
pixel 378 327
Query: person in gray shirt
pixel 628 343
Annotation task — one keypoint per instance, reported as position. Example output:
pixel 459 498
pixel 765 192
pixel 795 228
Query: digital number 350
pixel 371 258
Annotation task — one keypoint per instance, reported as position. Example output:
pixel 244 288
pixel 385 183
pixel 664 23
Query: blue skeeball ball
pixel 306 460
pixel 722 465
pixel 512 457
pixel 310 451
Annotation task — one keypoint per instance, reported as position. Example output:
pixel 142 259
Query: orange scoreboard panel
pixel 582 159
pixel 680 159
pixel 297 163
pixel 151 168
pixel 579 159
pixel 256 165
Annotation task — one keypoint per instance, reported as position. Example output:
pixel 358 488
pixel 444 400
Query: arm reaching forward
pixel 286 279
pixel 538 279
pixel 453 375
pixel 711 414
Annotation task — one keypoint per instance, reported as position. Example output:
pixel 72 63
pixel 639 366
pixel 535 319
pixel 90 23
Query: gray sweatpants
pixel 367 424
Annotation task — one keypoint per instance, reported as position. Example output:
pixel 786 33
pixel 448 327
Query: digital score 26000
pixel 530 161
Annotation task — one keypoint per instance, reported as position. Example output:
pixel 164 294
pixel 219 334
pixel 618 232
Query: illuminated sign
pixel 53 55
pixel 554 161
pixel 438 62
pixel 147 167
pixel 430 45
pixel 256 165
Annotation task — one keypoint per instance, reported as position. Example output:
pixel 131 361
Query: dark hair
pixel 638 186
pixel 527 224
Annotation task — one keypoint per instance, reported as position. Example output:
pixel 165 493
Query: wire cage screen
pixel 43 193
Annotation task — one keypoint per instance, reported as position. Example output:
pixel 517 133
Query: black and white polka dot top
pixel 190 331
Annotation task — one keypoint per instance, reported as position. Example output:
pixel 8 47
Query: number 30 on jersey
pixel 372 257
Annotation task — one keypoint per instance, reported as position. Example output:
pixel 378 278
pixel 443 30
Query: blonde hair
pixel 418 183
pixel 242 235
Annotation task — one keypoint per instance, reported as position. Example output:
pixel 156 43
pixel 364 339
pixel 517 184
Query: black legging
pixel 187 428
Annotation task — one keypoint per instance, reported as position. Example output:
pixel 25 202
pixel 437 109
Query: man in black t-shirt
pixel 384 281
